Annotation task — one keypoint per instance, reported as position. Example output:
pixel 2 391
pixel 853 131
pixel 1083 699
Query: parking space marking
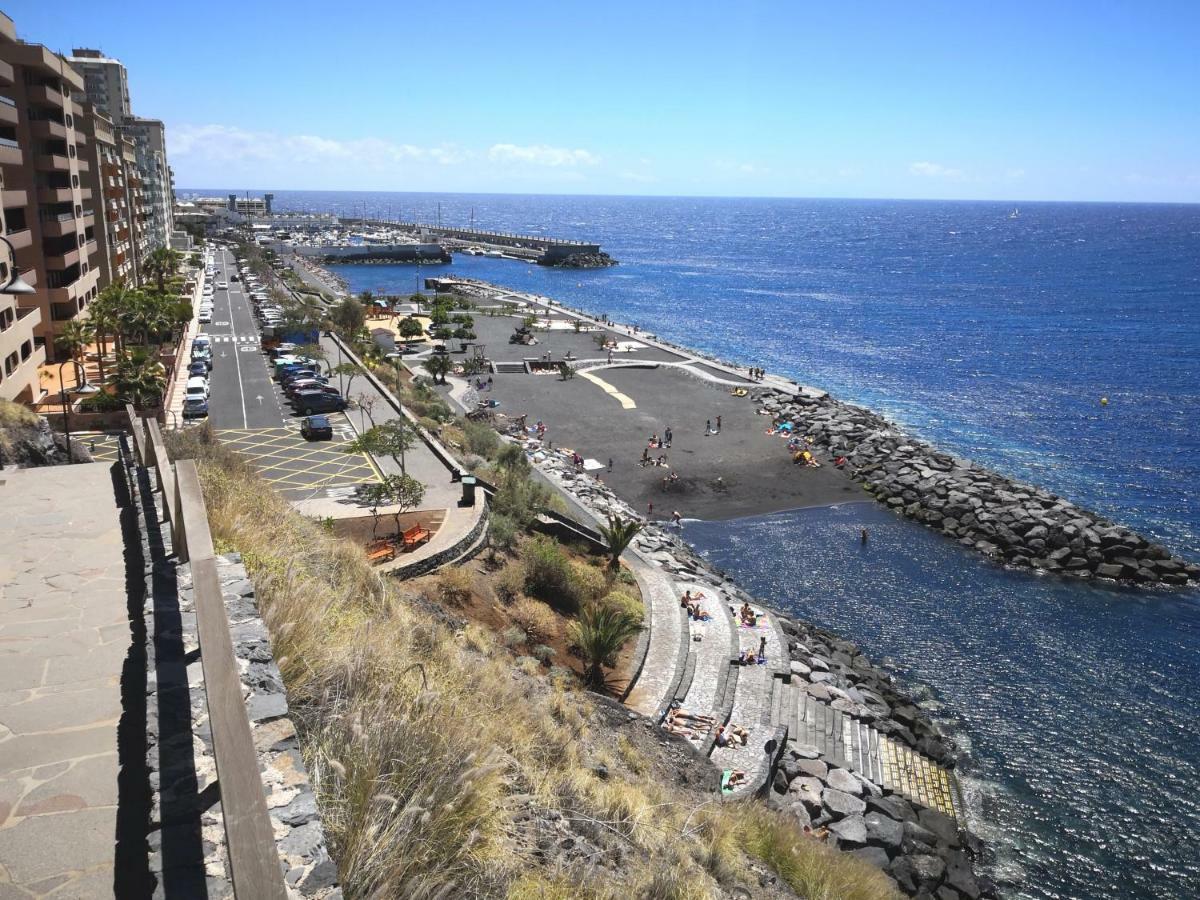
pixel 284 459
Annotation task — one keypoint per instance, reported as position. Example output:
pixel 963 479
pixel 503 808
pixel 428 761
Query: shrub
pixel 543 654
pixel 600 633
pixel 510 583
pixel 587 584
pixel 533 617
pixel 481 439
pixel 454 586
pixel 513 637
pixel 430 425
pixel 547 572
pixel 620 600
pixel 503 532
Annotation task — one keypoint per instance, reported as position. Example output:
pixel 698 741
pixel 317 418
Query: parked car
pixel 222 285
pixel 294 390
pixel 309 402
pixel 202 354
pixel 287 376
pixel 199 367
pixel 205 317
pixel 195 408
pixel 316 428
pixel 197 386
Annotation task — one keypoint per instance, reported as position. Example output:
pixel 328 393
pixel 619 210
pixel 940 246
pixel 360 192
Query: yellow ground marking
pixel 275 450
pixel 917 777
pixel 106 446
pixel 625 400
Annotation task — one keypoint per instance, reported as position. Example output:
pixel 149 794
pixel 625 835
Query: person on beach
pixel 707 427
pixel 677 519
pixel 650 510
pixel 762 650
pixel 667 435
pixel 610 464
pixel 718 424
pixel 610 357
pixel 645 456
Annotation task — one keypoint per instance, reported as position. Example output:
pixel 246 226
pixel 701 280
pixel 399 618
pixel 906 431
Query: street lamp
pixel 12 279
pixel 83 388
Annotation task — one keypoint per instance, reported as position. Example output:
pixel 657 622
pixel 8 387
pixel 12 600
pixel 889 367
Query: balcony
pixel 90 248
pixel 11 197
pixel 88 217
pixel 51 162
pixel 57 226
pixel 20 239
pixel 8 110
pixel 112 215
pixel 10 153
pixel 6 74
pixel 55 261
pixel 84 165
pixel 85 193
pixel 43 93
pixel 48 128
pixel 55 195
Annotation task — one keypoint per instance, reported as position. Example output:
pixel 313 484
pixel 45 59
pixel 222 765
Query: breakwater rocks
pixel 921 848
pixel 1008 521
pixel 599 260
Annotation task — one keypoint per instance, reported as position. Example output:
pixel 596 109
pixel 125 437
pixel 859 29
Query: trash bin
pixel 468 490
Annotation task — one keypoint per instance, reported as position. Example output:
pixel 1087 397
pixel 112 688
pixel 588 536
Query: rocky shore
pixel 1010 522
pixel 924 851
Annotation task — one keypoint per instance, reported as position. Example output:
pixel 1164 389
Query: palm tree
pixel 74 337
pixel 600 632
pixel 105 320
pixel 161 264
pixel 438 366
pixel 140 378
pixel 618 533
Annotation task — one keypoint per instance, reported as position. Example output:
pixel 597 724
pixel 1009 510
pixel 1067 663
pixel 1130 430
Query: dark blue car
pixel 310 402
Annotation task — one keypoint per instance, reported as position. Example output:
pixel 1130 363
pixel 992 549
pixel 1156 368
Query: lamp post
pixel 83 388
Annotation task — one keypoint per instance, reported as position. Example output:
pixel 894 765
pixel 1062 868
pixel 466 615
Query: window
pixel 10 363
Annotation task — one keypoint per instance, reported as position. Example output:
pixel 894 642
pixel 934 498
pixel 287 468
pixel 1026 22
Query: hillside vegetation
pixel 445 770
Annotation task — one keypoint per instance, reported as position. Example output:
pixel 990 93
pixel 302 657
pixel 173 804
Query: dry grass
pixel 425 744
pixel 533 617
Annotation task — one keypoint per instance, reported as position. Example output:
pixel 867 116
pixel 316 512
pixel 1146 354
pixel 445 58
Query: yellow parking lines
pixel 624 399
pixel 286 460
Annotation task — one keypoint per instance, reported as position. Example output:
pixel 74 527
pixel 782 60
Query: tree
pixel 74 337
pixel 347 370
pixel 439 366
pixel 375 494
pixel 439 315
pixel 140 378
pixel 410 328
pixel 443 333
pixel 348 317
pixel 463 335
pixel 389 439
pixel 404 493
pixel 618 534
pixel 160 265
pixel 566 371
pixel 313 351
pixel 600 632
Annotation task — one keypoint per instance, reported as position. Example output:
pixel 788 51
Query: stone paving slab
pixel 64 636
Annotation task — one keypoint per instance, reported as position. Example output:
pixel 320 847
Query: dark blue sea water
pixel 994 337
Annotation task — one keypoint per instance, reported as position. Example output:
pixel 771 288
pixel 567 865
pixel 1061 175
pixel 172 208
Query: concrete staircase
pixel 853 744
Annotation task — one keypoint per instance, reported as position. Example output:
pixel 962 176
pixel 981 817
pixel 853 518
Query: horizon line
pixel 241 191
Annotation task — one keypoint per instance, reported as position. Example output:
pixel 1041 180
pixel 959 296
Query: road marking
pixel 625 400
pixel 237 360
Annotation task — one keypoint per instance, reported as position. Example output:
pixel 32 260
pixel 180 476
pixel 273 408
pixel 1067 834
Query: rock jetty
pixel 1008 521
pixel 599 260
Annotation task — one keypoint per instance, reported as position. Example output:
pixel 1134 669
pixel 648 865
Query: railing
pixel 254 864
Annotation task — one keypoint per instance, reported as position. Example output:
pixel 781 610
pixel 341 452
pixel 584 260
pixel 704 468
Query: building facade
pixel 106 83
pixel 149 139
pixel 111 157
pixel 43 172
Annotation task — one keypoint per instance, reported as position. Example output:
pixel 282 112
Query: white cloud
pixel 741 168
pixel 229 144
pixel 935 170
pixel 541 155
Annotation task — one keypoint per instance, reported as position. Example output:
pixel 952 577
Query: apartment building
pixel 106 83
pixel 44 163
pixel 20 315
pixel 111 157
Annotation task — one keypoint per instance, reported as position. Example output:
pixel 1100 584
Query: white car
pixel 197 388
pixel 205 317
pixel 222 285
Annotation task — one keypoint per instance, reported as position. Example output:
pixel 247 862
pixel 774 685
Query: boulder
pixel 872 856
pixel 814 768
pixel 918 835
pixel 851 832
pixel 883 831
pixel 918 871
pixel 844 781
pixel 841 804
pixel 808 791
pixel 941 825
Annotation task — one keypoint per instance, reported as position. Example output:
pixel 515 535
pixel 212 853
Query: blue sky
pixel 1015 100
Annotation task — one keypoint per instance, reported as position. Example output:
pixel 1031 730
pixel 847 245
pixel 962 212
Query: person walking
pixel 707 427
pixel 677 519
pixel 718 424
pixel 610 464
pixel 667 435
pixel 650 510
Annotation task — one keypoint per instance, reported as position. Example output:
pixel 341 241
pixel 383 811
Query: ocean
pixel 994 337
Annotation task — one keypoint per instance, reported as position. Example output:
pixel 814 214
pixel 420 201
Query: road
pixel 243 394
pixel 248 412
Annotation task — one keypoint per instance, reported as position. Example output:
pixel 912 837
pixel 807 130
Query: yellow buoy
pixel 1104 401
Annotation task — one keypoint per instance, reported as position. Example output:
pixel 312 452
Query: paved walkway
pixel 64 636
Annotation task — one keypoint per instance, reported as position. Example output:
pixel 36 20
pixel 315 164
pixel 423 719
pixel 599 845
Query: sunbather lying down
pixel 688 724
pixel 732 736
pixel 732 778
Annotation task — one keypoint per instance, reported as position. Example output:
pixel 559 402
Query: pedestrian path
pixel 64 637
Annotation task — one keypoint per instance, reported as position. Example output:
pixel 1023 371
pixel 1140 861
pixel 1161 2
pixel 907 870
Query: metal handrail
pixel 254 864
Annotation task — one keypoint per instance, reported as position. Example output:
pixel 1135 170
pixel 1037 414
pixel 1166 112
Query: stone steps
pixel 853 744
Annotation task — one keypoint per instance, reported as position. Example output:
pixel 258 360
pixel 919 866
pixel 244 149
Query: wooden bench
pixel 415 535
pixel 381 551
